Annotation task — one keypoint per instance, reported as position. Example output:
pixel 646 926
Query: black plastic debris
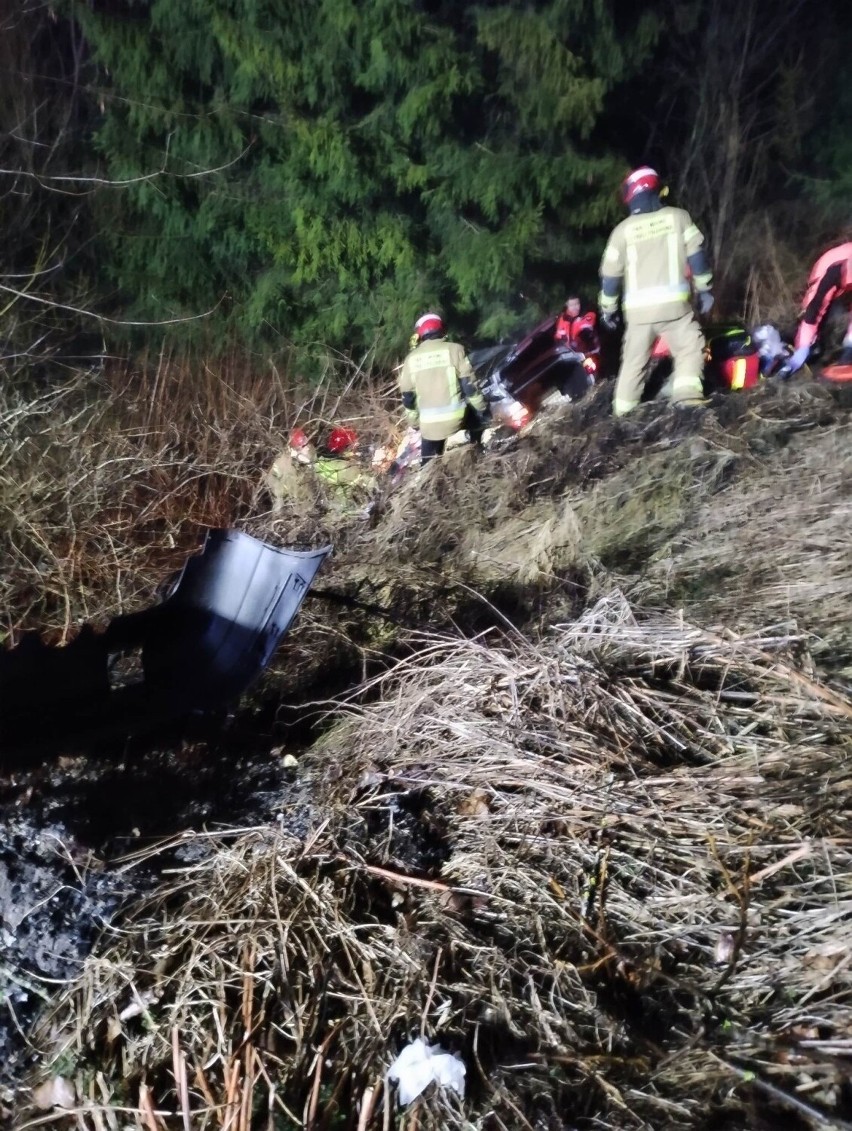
pixel 196 651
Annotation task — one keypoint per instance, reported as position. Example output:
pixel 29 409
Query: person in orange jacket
pixel 577 329
pixel 830 279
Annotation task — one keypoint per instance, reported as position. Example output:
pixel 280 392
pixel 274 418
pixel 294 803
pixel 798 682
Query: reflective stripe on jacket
pixel 437 383
pixel 649 252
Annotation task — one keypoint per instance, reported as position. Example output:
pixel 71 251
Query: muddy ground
pixel 68 828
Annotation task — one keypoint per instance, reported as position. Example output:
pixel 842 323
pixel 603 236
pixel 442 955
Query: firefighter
pixel 338 466
pixel 830 278
pixel 285 479
pixel 439 390
pixel 650 258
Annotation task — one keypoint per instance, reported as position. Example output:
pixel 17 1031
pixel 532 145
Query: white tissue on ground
pixel 419 1064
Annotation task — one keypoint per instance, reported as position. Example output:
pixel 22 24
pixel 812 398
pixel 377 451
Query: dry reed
pixel 611 870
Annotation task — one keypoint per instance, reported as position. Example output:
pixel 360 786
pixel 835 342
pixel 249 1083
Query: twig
pixel 313 1101
pixel 146 1110
pixel 748 1076
pixel 431 992
pixel 181 1087
pixel 399 878
pixel 800 853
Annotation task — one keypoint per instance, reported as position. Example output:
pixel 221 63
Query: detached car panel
pixel 197 650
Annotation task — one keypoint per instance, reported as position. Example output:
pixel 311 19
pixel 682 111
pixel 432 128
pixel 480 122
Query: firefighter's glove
pixel 409 403
pixel 705 302
pixel 610 320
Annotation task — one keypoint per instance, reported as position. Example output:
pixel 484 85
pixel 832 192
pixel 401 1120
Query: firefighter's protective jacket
pixel 648 252
pixel 289 481
pixel 437 384
pixel 830 277
pixel 342 474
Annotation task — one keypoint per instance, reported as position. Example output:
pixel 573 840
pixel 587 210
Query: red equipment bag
pixel 837 374
pixel 732 358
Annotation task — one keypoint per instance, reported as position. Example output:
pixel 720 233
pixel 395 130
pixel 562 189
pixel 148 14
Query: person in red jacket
pixel 576 329
pixel 830 279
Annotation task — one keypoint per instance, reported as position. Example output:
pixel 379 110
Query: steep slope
pixel 580 813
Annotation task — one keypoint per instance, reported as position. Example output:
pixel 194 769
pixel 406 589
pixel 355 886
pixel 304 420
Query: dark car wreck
pixel 195 651
pixel 519 377
pixel 527 371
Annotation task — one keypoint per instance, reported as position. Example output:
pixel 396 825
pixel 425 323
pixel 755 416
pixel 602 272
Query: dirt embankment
pixel 590 833
pixel 738 515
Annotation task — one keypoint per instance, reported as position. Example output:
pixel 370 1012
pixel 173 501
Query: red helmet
pixel 428 324
pixel 645 179
pixel 341 439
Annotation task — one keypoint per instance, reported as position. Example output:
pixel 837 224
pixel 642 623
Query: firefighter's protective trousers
pixel 686 344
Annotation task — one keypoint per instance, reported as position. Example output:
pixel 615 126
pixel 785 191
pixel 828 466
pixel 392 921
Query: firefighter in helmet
pixel 439 390
pixel 650 260
pixel 338 465
pixel 830 279
pixel 285 480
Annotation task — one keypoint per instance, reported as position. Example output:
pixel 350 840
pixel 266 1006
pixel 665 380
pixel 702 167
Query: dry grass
pixel 775 547
pixel 107 482
pixel 738 514
pixel 774 273
pixel 612 870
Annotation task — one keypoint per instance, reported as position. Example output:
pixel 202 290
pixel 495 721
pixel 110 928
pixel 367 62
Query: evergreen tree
pixel 829 152
pixel 333 168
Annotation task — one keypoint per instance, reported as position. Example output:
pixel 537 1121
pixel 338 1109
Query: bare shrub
pixel 108 481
